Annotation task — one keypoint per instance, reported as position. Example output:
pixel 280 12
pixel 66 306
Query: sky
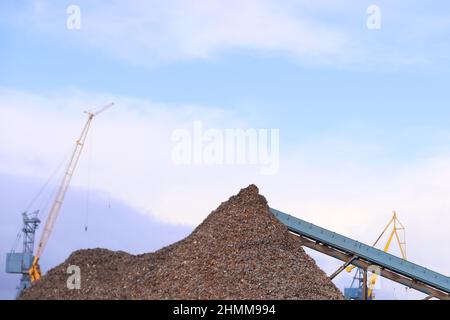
pixel 362 114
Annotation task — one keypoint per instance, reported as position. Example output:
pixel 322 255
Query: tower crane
pixel 398 231
pixel 24 262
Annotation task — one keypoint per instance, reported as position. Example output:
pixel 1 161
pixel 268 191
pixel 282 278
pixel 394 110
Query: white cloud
pixel 205 29
pixel 149 32
pixel 331 33
pixel 131 148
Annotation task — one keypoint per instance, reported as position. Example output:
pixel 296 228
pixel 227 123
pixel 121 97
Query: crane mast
pixel 35 272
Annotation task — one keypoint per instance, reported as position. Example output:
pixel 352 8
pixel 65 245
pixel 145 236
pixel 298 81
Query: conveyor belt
pixel 405 272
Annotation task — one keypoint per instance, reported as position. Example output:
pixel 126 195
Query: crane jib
pixel 62 190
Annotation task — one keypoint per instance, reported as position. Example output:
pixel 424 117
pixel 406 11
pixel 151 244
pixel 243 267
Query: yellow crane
pixel 35 271
pixel 398 231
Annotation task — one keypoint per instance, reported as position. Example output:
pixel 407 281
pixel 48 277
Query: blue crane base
pixel 20 263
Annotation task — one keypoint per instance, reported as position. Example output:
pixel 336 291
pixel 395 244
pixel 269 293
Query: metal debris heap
pixel 241 251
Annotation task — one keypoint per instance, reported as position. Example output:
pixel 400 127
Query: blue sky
pixel 363 114
pixel 285 90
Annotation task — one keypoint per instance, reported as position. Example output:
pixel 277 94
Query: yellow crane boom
pixel 397 226
pixel 35 272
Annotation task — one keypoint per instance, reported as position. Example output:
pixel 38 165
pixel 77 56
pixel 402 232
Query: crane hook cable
pixel 46 184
